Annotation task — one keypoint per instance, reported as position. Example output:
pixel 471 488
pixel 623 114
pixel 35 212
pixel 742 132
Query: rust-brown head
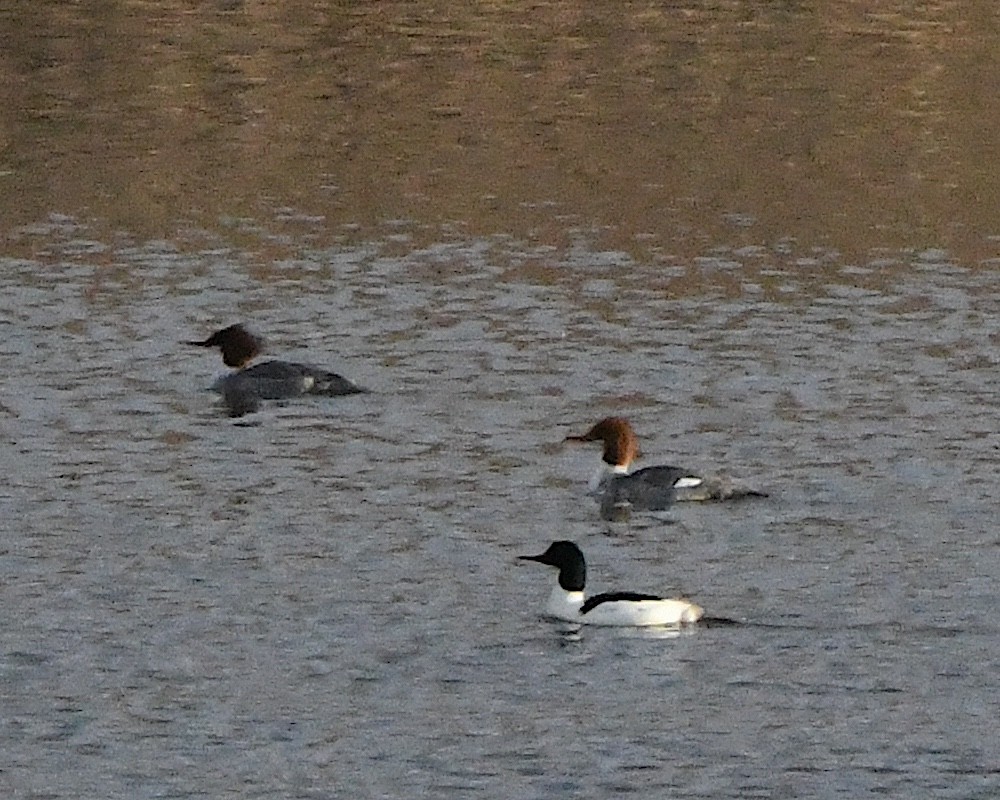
pixel 238 346
pixel 621 445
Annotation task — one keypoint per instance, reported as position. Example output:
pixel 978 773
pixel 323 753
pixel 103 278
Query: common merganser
pixel 567 601
pixel 650 488
pixel 243 389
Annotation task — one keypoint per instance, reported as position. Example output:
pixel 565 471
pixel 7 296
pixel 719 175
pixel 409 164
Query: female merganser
pixel 567 601
pixel 243 389
pixel 651 488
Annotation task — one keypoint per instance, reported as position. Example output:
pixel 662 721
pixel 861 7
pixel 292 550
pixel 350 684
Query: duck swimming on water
pixel 651 488
pixel 568 601
pixel 244 388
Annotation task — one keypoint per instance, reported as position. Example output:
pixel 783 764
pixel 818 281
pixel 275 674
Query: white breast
pixel 564 605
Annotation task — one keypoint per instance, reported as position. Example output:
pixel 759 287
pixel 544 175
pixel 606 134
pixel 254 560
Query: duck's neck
pixel 604 472
pixel 565 605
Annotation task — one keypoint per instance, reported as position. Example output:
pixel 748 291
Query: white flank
pixel 566 606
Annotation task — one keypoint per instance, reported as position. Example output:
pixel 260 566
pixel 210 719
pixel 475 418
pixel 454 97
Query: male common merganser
pixel 650 488
pixel 567 601
pixel 243 389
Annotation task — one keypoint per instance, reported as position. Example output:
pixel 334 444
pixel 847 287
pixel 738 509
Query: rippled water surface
pixel 766 233
pixel 323 599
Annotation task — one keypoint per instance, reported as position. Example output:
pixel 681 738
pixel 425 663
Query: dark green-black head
pixel 568 558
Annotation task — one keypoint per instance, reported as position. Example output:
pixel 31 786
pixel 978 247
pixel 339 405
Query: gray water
pixel 323 599
pixel 765 232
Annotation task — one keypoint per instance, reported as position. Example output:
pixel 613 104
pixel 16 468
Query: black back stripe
pixel 611 597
